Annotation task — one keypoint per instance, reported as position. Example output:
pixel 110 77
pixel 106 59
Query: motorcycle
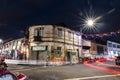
pixel 7 75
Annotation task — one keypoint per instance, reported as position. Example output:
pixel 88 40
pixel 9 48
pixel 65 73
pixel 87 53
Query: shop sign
pixel 39 48
pixel 56 50
pixel 86 43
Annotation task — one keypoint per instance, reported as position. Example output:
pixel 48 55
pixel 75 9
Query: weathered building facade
pixel 55 42
pixel 98 49
pixel 16 49
pixel 113 48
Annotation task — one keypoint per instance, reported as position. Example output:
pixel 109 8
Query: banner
pixel 103 34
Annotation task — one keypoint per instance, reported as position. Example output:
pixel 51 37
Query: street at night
pixel 60 40
pixel 103 71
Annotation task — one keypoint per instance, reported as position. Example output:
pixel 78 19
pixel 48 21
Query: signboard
pixel 56 50
pixel 39 48
pixel 86 43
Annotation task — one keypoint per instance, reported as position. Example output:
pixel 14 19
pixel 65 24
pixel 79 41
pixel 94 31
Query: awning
pixel 72 51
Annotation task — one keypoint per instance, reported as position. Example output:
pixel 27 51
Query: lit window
pixel 69 35
pixel 109 44
pixel 36 31
pixel 114 45
pixel 41 33
pixel 59 33
pixel 77 37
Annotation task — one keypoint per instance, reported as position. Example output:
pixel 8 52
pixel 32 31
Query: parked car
pixel 117 60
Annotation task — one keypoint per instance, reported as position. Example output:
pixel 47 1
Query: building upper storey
pixel 114 45
pixel 54 33
pixel 14 44
pixel 48 33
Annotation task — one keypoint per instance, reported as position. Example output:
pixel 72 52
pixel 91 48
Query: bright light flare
pixel 90 22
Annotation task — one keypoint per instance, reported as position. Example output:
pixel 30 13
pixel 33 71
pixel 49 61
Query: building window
pixel 9 43
pixel 59 48
pixel 118 46
pixel 77 37
pixel 109 44
pixel 114 46
pixel 69 35
pixel 59 52
pixel 36 32
pixel 41 33
pixel 59 33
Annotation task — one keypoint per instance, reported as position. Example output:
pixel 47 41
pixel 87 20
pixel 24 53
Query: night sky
pixel 17 15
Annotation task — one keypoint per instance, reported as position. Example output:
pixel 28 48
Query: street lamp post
pixel 81 42
pixel 88 23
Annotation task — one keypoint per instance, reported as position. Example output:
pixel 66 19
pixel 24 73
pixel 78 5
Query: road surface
pixel 93 71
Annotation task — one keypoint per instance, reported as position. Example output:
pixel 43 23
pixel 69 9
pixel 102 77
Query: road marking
pixel 26 69
pixel 93 77
pixel 15 68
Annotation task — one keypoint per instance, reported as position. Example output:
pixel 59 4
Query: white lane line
pixel 16 68
pixel 93 77
pixel 26 69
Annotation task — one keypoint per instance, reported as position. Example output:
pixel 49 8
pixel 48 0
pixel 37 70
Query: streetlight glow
pixel 90 22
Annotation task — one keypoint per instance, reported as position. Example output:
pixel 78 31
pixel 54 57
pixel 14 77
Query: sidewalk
pixel 35 62
pixel 43 63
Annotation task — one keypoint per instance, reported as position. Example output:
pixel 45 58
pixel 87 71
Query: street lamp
pixel 89 22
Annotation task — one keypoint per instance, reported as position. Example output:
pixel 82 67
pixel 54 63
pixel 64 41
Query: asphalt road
pixel 92 71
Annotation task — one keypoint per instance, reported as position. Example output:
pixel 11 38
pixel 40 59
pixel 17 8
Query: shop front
pixel 86 48
pixel 39 53
pixel 86 51
pixel 72 56
pixel 56 55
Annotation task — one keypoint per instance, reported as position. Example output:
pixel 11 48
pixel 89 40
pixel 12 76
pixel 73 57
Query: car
pixel 117 60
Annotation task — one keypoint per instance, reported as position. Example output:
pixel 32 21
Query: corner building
pixel 54 42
